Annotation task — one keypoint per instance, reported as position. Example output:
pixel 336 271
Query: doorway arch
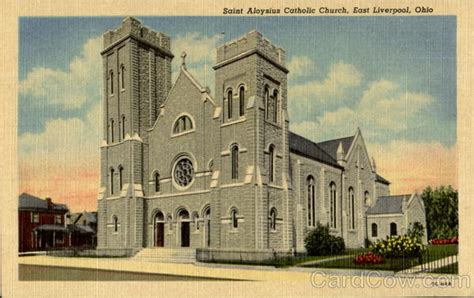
pixel 159 229
pixel 184 223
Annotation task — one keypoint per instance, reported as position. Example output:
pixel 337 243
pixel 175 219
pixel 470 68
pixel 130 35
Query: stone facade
pixel 183 168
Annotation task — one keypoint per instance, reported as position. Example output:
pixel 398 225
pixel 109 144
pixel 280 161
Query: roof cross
pixel 183 56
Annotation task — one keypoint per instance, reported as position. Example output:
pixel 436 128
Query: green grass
pixel 449 269
pixel 433 252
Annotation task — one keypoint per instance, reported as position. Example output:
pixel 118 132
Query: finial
pixel 183 56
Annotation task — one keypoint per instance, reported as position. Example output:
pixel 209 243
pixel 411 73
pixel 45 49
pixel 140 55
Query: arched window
pixel 157 182
pixel 374 230
pixel 229 104
pixel 112 130
pixel 271 164
pixel 242 100
pixel 115 220
pixel 275 106
pixel 367 198
pixel 182 124
pixel 233 218
pixel 235 161
pixel 352 207
pixel 393 229
pixel 311 201
pixel 123 127
pixel 112 181
pixel 273 215
pixel 267 102
pixel 120 177
pixel 111 82
pixel 122 76
pixel 333 211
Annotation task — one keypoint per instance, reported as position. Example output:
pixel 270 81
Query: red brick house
pixel 42 224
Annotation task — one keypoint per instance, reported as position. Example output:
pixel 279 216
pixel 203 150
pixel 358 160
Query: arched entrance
pixel 207 227
pixel 183 217
pixel 159 229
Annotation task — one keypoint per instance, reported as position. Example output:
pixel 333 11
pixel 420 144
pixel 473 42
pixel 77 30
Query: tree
pixel 441 207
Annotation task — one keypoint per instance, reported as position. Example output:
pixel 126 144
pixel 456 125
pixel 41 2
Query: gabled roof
pixel 90 217
pixel 388 205
pixel 381 179
pixel 331 146
pixel 28 201
pixel 310 149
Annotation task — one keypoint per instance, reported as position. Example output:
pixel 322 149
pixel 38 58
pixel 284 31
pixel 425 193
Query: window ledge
pixel 240 120
pixel 183 133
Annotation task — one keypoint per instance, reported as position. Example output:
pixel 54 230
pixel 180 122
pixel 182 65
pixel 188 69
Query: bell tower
pixel 251 86
pixel 136 81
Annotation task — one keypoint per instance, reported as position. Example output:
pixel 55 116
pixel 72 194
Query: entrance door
pixel 159 234
pixel 185 234
pixel 159 229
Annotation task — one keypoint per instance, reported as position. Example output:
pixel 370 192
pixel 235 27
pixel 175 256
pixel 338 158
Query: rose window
pixel 183 172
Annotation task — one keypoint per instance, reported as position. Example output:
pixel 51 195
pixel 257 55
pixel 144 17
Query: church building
pixel 182 166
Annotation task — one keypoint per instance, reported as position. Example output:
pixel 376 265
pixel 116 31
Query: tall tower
pixel 136 81
pixel 253 68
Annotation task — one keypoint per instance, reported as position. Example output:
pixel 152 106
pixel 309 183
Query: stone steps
pixel 166 255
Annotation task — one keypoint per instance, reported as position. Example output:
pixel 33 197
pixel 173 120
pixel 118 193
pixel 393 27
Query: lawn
pixel 433 252
pixel 449 269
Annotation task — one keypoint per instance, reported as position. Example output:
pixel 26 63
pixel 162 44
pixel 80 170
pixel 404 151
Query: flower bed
pixel 454 240
pixel 398 247
pixel 368 258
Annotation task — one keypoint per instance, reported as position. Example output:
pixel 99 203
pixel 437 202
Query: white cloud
pixel 329 93
pixel 383 108
pixel 69 89
pixel 300 66
pixel 200 55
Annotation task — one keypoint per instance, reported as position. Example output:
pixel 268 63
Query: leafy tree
pixel 441 206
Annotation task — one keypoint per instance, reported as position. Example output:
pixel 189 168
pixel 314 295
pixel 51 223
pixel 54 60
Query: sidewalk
pixel 431 266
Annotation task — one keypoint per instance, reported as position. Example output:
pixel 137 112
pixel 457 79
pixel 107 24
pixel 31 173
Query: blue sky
pixel 394 77
pixel 416 52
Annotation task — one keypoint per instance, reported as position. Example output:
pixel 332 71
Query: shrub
pixel 320 242
pixel 368 258
pixel 398 246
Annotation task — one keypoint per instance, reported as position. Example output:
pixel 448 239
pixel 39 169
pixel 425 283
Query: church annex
pixel 182 166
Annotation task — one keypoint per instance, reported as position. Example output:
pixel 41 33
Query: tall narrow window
pixel 271 164
pixel 311 202
pixel 273 215
pixel 352 207
pixel 112 130
pixel 393 229
pixel 123 127
pixel 267 101
pixel 229 104
pixel 275 106
pixel 122 77
pixel 112 181
pixel 115 219
pixel 235 162
pixel 233 217
pixel 157 182
pixel 242 100
pixel 374 230
pixel 333 211
pixel 120 177
pixel 111 82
